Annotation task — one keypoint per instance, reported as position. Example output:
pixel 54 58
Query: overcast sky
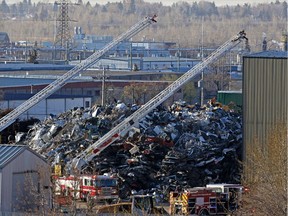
pixel 164 2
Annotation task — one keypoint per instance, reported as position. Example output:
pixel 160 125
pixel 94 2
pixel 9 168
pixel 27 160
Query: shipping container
pixel 227 97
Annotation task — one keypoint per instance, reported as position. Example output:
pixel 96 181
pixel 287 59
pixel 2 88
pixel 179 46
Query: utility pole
pixel 103 88
pixel 202 57
pixel 131 60
pixel 178 58
pixel 26 51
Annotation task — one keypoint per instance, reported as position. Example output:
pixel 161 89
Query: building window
pixel 97 93
pixel 87 104
pixel 86 182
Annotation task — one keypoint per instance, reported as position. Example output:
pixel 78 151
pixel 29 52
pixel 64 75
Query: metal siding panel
pixel 265 96
pixel 249 97
pixel 264 89
pixel 244 101
pixel 22 182
pixel 76 102
pixel 4 105
pixel 282 90
pixel 23 162
pixel 227 97
pixel 0 191
pixel 14 103
pixel 17 165
pixel 285 100
pixel 39 110
pixel 55 106
pixel 6 189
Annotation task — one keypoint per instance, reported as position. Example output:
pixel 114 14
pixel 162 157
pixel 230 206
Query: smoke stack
pixel 264 42
pixel 284 41
pixel 264 45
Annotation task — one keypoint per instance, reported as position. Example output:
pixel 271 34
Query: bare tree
pixel 265 175
pixel 217 77
pixel 33 192
pixel 183 20
pixel 140 93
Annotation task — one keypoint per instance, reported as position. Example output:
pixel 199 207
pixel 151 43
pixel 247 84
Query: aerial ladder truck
pixel 122 128
pixel 60 82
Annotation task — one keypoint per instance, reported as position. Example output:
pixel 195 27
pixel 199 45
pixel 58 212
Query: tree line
pixel 187 24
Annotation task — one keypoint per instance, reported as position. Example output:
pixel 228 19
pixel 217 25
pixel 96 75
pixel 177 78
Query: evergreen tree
pixel 132 7
pixel 4 8
pixel 284 10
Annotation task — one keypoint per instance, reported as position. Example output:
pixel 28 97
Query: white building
pixel 52 105
pixel 24 180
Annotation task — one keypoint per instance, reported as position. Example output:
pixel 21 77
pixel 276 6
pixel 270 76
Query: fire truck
pixel 214 199
pixel 87 187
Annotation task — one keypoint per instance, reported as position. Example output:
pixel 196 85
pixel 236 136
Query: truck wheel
pixel 108 201
pixel 204 213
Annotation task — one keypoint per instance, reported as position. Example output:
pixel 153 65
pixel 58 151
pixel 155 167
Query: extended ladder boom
pixel 121 129
pixel 57 84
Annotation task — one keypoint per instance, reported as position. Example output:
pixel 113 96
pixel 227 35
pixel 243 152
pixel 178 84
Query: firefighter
pixel 222 202
pixel 232 200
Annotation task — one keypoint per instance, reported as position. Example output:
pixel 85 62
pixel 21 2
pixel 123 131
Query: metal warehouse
pixel 265 94
pixel 24 180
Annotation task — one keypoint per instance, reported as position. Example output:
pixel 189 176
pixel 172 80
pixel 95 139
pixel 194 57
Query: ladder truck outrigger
pixel 122 128
pixel 60 82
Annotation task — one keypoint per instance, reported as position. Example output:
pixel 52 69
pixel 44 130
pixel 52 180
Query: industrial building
pixel 23 184
pixel 17 89
pixel 82 91
pixel 154 64
pixel 52 105
pixel 145 55
pixel 138 55
pixel 265 95
pixel 4 39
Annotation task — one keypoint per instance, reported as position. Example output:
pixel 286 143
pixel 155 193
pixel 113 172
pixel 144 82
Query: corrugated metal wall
pixel 265 97
pixel 23 163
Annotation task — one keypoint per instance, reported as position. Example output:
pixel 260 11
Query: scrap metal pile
pixel 171 148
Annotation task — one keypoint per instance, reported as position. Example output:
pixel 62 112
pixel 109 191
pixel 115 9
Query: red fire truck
pixel 218 199
pixel 86 187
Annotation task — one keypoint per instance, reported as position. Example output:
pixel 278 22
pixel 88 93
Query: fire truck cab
pixel 87 187
pixel 210 200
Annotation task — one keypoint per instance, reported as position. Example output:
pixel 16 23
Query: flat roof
pixel 10 66
pixel 23 96
pixel 231 91
pixel 154 59
pixel 268 54
pixel 20 80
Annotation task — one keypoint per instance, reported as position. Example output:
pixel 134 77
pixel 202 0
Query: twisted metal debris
pixel 172 148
